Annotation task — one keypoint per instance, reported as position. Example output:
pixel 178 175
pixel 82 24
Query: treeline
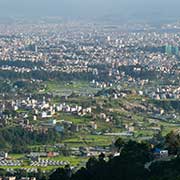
pixel 21 64
pixel 44 75
pixel 144 73
pixel 17 139
pixel 168 105
pixel 27 86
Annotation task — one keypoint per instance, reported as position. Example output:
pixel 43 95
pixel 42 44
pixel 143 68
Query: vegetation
pixel 17 139
pixel 129 165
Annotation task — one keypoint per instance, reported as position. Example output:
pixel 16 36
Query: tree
pixel 61 174
pixel 91 162
pixel 173 142
pixel 119 143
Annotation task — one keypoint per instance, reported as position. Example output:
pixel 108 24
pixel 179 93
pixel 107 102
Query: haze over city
pixel 122 10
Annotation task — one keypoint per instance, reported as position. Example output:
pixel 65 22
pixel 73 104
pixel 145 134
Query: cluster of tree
pixel 45 75
pixel 130 164
pixel 17 139
pixel 144 73
pixel 19 85
pixel 169 105
pixel 165 170
pixel 173 142
pixel 106 92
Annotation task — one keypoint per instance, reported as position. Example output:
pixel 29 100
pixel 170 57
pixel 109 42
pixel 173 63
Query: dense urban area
pixel 81 99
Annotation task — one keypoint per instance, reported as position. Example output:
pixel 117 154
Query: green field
pixel 67 88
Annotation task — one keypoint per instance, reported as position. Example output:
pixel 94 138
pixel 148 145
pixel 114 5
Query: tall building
pixel 168 49
pixel 172 50
pixel 177 51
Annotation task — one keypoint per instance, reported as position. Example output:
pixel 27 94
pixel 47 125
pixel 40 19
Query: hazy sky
pixel 90 8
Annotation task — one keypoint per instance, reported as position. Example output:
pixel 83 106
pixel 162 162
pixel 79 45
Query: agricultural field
pixel 61 88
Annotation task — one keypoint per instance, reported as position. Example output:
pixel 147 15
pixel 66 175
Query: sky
pixel 91 8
